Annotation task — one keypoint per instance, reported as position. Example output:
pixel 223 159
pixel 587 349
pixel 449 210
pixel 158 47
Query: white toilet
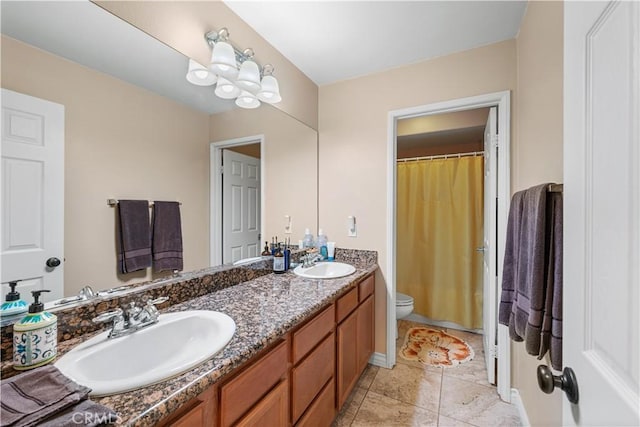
pixel 404 307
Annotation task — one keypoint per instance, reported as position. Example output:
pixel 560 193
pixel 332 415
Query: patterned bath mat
pixel 435 347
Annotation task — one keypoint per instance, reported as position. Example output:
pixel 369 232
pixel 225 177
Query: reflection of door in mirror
pixel 240 205
pixel 236 197
pixel 32 194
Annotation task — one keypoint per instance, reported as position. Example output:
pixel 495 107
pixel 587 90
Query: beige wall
pixel 290 157
pixel 182 25
pixel 537 158
pixel 353 141
pixel 120 142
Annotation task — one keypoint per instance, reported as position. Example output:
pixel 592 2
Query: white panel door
pixel 240 206
pixel 489 248
pixel 32 210
pixel 601 328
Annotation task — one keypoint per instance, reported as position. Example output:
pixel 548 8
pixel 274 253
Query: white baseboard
pixel 516 400
pixel 379 359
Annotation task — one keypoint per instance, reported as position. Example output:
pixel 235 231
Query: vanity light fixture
pixel 247 83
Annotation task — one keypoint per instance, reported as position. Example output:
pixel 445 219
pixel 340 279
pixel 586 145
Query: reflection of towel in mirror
pixel 551 339
pixel 133 235
pixel 524 278
pixel 167 236
pixel 44 396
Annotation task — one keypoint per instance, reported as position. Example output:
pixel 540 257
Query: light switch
pixel 288 227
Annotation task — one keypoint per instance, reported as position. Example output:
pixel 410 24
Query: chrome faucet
pixel 310 259
pixel 134 318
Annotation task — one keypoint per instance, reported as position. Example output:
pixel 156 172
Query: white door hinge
pixel 493 351
pixel 494 141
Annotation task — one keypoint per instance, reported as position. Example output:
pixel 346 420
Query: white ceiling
pixel 327 40
pixel 331 41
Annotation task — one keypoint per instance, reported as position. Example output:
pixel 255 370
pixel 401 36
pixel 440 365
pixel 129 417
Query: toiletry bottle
pixel 322 244
pixel 307 242
pixel 278 261
pixel 35 337
pixel 287 255
pixel 13 304
pixel 266 252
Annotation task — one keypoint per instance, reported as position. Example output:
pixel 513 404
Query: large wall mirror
pixel 134 128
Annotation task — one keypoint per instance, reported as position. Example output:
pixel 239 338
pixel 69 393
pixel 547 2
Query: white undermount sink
pixel 178 342
pixel 325 270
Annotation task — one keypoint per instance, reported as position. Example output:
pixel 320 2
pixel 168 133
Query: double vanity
pixel 288 349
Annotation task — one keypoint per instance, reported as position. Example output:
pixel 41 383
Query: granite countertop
pixel 264 309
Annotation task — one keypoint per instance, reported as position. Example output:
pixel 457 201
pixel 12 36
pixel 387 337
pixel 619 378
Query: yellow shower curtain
pixel 440 223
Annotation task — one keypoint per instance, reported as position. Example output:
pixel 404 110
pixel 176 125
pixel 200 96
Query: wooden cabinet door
pixel 272 410
pixel 239 394
pixel 346 349
pixel 311 375
pixel 365 332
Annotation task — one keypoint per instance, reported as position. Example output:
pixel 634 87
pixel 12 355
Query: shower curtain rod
pixel 442 156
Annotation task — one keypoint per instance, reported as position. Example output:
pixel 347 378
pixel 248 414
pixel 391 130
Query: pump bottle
pixel 13 304
pixel 35 336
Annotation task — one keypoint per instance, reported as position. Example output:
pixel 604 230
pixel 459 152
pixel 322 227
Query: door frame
pixel 502 100
pixel 215 191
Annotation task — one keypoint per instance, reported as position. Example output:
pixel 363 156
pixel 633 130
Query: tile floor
pixel 411 394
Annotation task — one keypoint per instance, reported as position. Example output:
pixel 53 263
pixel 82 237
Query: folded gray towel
pixel 134 249
pixel 167 236
pixel 33 396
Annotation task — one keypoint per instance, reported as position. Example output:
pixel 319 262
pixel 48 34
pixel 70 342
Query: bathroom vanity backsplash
pixel 76 321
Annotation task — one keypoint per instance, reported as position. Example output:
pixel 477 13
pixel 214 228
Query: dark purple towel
pixel 510 265
pixel 167 236
pixel 551 339
pixel 134 236
pixel 525 268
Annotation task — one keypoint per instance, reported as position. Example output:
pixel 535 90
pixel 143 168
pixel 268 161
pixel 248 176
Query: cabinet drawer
pixel 308 378
pixel 346 304
pixel 322 411
pixel 307 337
pixel 243 391
pixel 272 410
pixel 366 288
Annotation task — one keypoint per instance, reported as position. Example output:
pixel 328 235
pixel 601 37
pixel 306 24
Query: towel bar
pixel 114 202
pixel 555 188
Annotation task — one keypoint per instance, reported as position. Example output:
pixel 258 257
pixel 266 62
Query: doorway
pixel 32 195
pixel 496 222
pixel 236 195
pixel 440 218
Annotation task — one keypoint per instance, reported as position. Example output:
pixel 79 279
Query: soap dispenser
pixel 13 304
pixel 35 336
